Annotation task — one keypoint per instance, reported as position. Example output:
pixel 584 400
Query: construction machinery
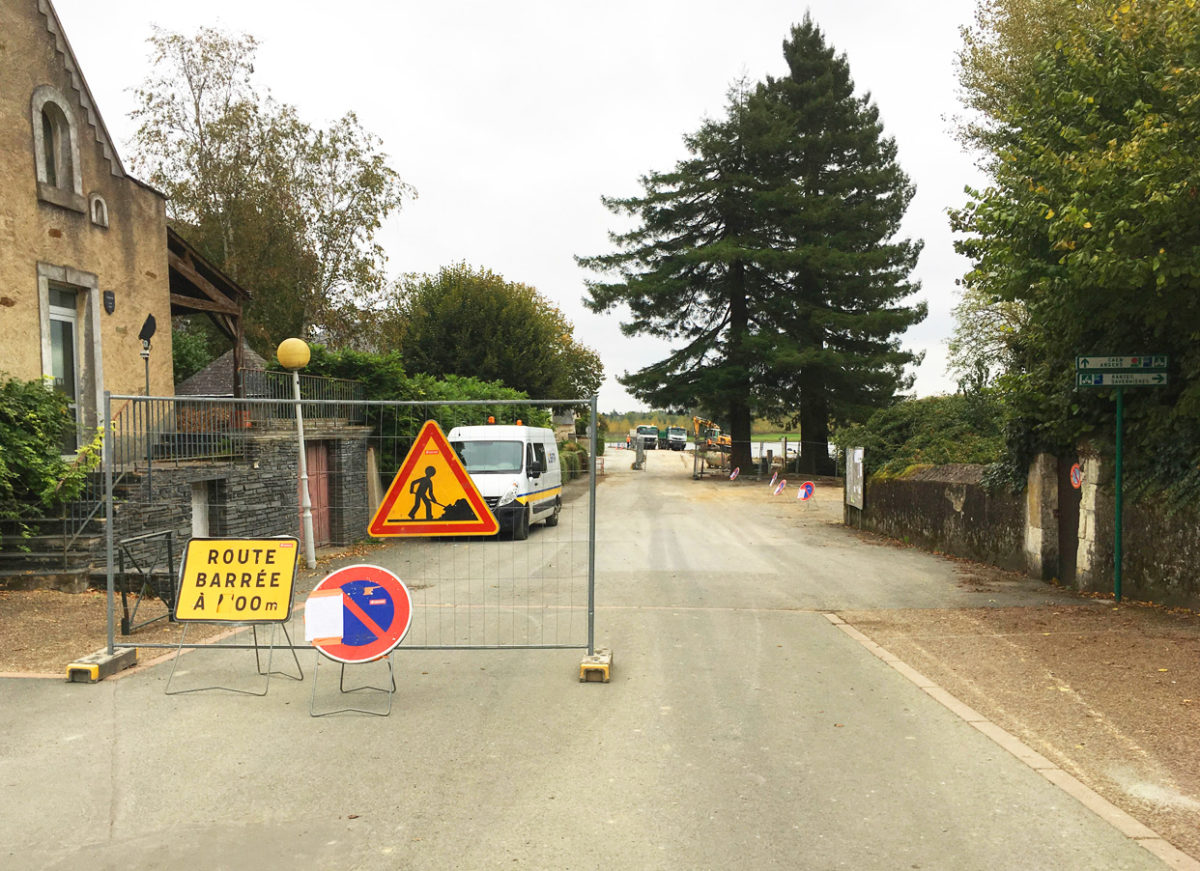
pixel 708 436
pixel 647 436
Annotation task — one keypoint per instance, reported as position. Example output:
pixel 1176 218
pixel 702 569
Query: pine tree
pixel 770 255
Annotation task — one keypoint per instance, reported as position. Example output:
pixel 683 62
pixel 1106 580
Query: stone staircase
pixel 62 553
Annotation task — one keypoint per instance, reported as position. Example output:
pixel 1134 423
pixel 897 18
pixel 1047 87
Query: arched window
pixel 51 147
pixel 99 210
pixel 56 149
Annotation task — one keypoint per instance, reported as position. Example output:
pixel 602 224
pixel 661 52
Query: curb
pixel 1136 831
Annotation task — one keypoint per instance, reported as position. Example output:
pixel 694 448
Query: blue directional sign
pixel 1115 370
pixel 1121 379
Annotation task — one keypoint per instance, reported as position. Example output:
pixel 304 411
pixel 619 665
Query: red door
pixel 317 456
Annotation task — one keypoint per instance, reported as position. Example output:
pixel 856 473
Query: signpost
pixel 366 612
pixel 432 475
pixel 237 580
pixel 1119 372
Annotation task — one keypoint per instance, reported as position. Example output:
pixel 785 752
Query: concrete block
pixel 99 665
pixel 597 667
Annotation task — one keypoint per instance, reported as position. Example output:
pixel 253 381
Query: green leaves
pixel 288 210
pixel 1090 231
pixel 770 258
pixel 466 321
pixel 34 478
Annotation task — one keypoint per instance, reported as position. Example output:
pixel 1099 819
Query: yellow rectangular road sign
pixel 237 580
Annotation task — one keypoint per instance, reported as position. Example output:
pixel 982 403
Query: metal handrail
pixel 84 509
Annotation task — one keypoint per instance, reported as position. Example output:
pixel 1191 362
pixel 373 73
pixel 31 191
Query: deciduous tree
pixel 288 210
pixel 465 321
pixel 1092 221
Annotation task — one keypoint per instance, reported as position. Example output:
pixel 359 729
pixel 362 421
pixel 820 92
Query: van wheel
pixel 552 520
pixel 521 527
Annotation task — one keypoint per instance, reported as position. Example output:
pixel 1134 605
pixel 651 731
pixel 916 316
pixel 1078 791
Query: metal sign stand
pixel 391 692
pixel 257 662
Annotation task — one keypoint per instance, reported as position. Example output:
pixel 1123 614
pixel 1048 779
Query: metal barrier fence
pixel 228 468
pixel 339 398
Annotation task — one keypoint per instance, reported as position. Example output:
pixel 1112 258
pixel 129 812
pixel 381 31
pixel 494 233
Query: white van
pixel 516 470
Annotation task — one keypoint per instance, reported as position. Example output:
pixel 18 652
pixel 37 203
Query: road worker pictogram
pixel 432 494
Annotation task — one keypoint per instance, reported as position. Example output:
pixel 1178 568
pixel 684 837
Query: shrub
pixel 35 481
pixel 575 446
pixel 571 464
pixel 936 430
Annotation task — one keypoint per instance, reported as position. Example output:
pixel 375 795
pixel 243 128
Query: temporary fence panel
pixel 237 460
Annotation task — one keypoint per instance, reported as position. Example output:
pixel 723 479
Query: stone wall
pixel 253 497
pixel 1161 546
pixel 945 509
pixel 50 233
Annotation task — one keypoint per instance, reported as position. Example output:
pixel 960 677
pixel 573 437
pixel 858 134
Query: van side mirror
pixel 535 469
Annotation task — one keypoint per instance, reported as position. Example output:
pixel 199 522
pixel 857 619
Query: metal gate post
pixel 591 648
pixel 107 453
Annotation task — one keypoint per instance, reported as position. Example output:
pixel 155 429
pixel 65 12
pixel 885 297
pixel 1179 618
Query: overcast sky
pixel 513 118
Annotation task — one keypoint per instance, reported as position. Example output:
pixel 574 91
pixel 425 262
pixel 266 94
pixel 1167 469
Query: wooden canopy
pixel 199 287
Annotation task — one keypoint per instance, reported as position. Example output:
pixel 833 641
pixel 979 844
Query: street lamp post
pixel 293 354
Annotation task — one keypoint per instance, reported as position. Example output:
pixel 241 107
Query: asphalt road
pixel 741 729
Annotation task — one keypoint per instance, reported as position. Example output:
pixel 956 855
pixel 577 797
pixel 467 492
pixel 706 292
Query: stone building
pixel 86 259
pixel 83 254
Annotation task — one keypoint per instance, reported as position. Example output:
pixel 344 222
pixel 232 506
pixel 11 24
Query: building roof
pixel 216 379
pixel 86 100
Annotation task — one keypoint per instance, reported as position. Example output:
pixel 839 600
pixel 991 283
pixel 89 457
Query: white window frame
pixel 88 350
pixel 98 209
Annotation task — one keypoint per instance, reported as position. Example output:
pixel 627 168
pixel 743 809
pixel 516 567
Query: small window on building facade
pixel 99 211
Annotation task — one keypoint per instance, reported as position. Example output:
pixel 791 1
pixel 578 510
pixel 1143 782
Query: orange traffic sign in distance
pixel 432 494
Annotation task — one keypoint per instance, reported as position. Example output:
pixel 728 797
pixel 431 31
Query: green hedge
pixel 936 430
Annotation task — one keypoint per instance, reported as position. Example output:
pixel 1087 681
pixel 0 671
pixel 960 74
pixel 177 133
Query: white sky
pixel 513 118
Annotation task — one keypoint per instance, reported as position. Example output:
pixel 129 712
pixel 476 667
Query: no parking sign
pixel 358 614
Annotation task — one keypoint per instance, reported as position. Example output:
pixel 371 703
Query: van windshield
pixel 490 456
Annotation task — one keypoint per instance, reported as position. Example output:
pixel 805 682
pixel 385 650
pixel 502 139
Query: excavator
pixel 708 434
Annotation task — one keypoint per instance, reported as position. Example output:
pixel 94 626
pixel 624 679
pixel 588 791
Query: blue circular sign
pixel 376 613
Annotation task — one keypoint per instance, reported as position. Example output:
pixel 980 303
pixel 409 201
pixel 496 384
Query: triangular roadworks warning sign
pixel 432 494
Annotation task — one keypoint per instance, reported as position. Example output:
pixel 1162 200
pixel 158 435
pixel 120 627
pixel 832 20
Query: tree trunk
pixel 739 397
pixel 814 426
pixel 814 445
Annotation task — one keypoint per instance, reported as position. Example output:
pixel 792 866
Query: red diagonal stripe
pixel 362 615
